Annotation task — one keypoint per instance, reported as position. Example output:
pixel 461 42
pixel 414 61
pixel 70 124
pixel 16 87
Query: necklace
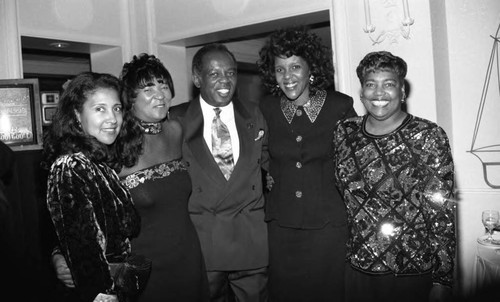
pixel 150 127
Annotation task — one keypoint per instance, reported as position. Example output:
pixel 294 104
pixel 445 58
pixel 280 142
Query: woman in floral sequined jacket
pixel 396 174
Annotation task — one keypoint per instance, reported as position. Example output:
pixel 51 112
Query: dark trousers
pixel 388 288
pixel 238 286
pixel 306 265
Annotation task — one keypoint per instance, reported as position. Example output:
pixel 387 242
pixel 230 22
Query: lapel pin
pixel 260 135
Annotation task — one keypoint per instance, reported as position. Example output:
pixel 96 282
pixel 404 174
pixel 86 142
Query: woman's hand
pixel 269 181
pixel 62 270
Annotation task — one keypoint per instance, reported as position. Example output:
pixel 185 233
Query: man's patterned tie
pixel 221 145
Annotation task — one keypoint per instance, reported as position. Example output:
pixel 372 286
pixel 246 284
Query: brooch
pixel 260 135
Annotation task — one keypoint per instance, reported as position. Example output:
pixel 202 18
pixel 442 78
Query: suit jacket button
pixel 298 194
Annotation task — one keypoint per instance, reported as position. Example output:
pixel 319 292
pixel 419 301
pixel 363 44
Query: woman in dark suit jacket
pixel 305 213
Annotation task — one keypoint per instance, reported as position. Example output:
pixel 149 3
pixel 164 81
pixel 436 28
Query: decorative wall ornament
pixel 486 138
pixel 390 24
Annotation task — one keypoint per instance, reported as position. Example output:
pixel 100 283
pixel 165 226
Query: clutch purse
pixel 131 276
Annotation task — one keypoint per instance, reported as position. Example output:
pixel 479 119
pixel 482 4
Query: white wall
pixel 90 21
pixel 179 19
pixel 469 26
pixel 102 24
pixel 10 41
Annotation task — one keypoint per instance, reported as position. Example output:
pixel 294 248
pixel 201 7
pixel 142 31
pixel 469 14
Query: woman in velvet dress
pixel 305 213
pixel 160 185
pixel 92 212
pixel 396 174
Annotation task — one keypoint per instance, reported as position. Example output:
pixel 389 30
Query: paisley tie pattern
pixel 221 145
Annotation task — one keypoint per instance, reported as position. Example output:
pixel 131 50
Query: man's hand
pixel 269 181
pixel 62 270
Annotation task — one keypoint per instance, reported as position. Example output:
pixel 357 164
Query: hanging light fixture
pixel 487 147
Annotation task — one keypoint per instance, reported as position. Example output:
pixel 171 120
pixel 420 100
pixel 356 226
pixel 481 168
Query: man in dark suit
pixel 227 202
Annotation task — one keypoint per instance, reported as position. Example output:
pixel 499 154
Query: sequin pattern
pixel 388 184
pixel 312 108
pixel 156 172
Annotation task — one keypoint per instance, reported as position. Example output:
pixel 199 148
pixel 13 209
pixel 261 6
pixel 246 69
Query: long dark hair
pixel 65 135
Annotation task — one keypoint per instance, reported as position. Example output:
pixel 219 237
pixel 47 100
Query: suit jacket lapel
pixel 244 125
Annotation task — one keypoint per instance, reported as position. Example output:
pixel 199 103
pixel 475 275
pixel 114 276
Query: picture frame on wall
pixel 20 114
pixel 50 99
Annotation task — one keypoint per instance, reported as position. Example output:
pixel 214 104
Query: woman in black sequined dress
pixel 396 174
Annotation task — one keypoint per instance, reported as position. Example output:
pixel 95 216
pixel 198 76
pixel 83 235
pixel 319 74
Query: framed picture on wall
pixel 50 99
pixel 20 114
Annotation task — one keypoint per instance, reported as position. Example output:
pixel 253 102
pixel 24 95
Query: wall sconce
pixel 485 141
pixel 402 28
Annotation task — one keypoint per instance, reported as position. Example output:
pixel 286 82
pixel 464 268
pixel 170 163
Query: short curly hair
pixel 197 64
pixel 381 61
pixel 296 41
pixel 143 69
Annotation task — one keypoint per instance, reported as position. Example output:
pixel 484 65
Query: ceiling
pixel 245 42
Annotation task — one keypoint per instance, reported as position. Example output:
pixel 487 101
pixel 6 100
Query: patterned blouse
pixel 398 190
pixel 94 219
